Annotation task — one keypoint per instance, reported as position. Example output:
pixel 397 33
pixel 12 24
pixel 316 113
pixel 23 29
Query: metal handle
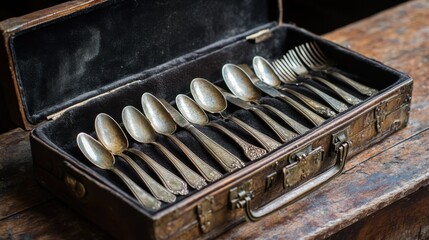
pixel 192 178
pixel 284 134
pixel 310 115
pixel 268 143
pixel 173 183
pixel 251 151
pixel 205 169
pixel 226 159
pixel 365 90
pixel 298 127
pixel 143 197
pixel 334 103
pixel 158 191
pixel 299 192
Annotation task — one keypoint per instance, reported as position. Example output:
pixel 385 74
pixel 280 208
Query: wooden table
pixel 383 193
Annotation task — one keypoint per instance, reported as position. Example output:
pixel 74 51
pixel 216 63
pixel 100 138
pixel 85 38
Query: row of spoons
pixel 162 118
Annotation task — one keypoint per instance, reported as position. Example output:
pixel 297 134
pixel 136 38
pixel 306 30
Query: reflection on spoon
pixel 212 100
pixel 140 129
pixel 102 158
pixel 115 140
pixel 191 111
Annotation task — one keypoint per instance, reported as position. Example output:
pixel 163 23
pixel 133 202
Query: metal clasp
pixel 205 213
pixel 260 36
pixel 238 196
pixel 306 162
pixel 380 115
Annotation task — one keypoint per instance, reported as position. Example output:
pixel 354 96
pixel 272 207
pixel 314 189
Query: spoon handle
pixel 365 90
pixel 209 173
pixel 298 127
pixel 310 115
pixel 226 159
pixel 192 178
pixel 155 188
pixel 314 105
pixel 284 134
pixel 251 151
pixel 334 103
pixel 142 196
pixel 340 92
pixel 266 141
pixel 173 183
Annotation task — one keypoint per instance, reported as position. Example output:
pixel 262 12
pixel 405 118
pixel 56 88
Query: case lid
pixel 63 55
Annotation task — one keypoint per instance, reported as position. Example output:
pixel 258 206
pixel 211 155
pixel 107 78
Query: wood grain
pixel 377 184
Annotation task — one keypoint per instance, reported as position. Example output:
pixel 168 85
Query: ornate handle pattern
pixel 314 105
pixel 205 169
pixel 173 183
pixel 313 117
pixel 143 197
pixel 284 134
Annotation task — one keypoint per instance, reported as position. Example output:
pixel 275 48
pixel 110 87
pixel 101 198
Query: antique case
pixel 75 60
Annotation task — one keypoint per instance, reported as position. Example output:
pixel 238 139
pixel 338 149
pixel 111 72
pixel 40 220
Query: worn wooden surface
pixel 365 202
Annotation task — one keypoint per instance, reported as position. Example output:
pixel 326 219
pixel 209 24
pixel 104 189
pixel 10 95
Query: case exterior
pixel 250 193
pixel 211 211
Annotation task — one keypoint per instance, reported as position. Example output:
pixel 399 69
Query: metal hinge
pixel 238 196
pixel 260 36
pixel 306 162
pixel 380 115
pixel 338 139
pixel 205 213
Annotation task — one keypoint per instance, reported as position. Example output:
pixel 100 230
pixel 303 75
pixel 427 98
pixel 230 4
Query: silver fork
pixel 289 72
pixel 316 60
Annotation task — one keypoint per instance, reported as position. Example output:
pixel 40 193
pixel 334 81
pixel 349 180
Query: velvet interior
pixel 103 47
pixel 175 78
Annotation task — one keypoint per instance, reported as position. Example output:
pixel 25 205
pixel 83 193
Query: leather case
pixel 72 61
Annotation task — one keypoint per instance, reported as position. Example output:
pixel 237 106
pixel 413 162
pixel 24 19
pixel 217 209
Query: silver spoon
pixel 191 111
pixel 168 115
pixel 266 73
pixel 140 129
pixel 236 76
pixel 209 173
pixel 212 100
pixel 102 158
pixel 115 140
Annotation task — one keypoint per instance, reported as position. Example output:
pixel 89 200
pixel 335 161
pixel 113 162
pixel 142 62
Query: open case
pixel 72 61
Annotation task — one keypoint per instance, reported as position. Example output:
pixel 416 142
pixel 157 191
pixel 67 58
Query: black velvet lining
pixel 81 56
pixel 61 133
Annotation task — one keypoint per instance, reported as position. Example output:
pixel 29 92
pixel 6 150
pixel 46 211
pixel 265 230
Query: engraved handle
pixel 251 151
pixel 314 105
pixel 226 159
pixel 365 90
pixel 268 143
pixel 334 103
pixel 298 127
pixel 143 197
pixel 158 191
pixel 205 169
pixel 299 192
pixel 173 183
pixel 340 92
pixel 192 178
pixel 284 134
pixel 310 115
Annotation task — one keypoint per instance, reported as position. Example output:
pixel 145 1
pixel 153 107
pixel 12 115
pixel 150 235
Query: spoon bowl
pixel 238 82
pixel 195 114
pixel 96 153
pixel 114 139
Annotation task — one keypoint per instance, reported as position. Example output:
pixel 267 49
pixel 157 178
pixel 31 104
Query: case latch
pixel 260 36
pixel 238 196
pixel 205 213
pixel 305 163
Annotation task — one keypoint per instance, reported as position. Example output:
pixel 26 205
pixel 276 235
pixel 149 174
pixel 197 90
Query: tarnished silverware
pixel 140 129
pixel 194 114
pixel 102 158
pixel 226 159
pixel 212 100
pixel 115 140
pixel 315 59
